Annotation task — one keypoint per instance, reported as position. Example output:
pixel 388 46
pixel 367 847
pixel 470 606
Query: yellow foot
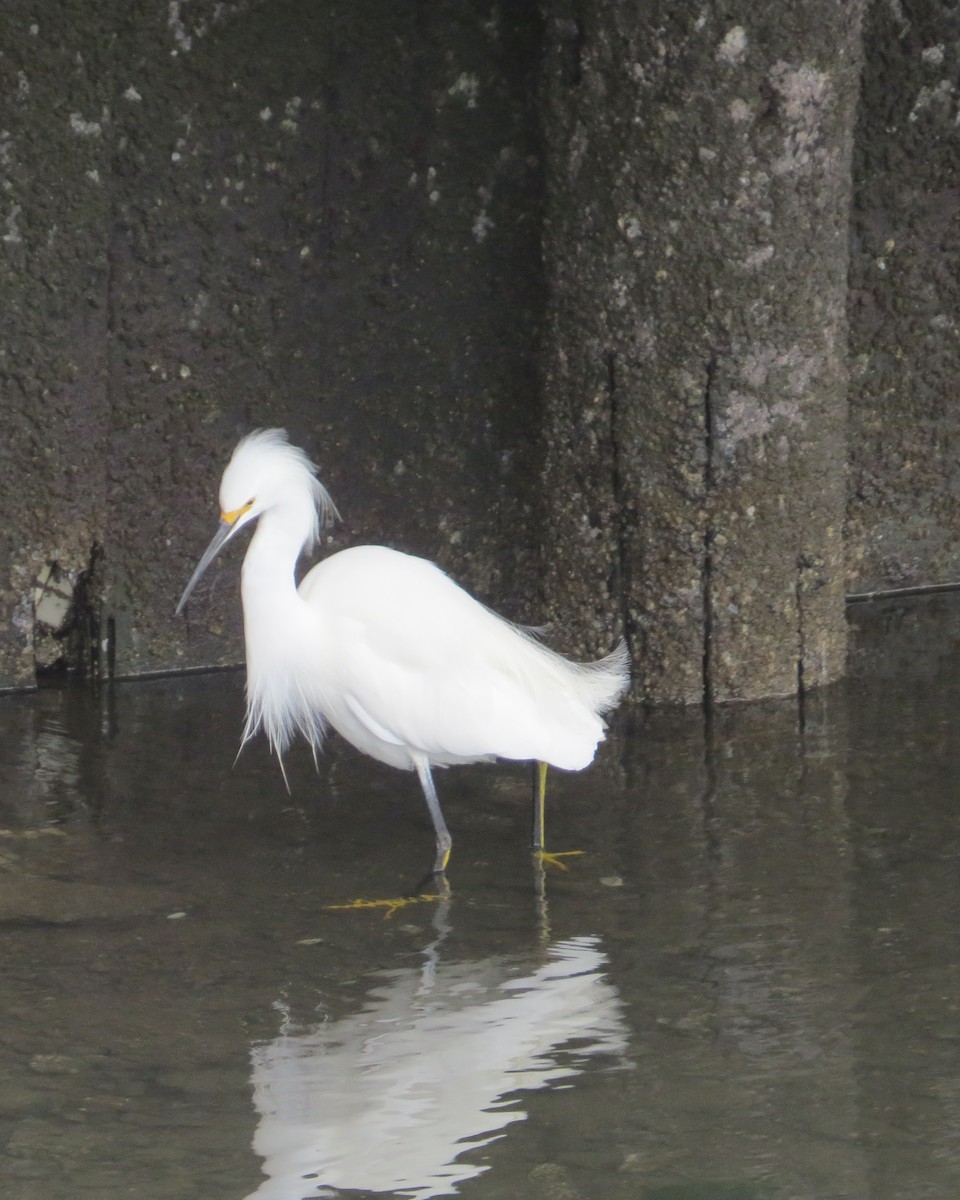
pixel 551 858
pixel 390 906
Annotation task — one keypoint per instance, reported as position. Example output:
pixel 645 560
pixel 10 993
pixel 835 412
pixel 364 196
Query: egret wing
pixel 432 669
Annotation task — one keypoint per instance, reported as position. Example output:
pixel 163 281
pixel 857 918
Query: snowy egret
pixel 387 649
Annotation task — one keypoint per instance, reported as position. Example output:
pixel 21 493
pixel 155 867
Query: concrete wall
pixel 228 216
pixel 54 211
pixel 904 527
pixel 557 299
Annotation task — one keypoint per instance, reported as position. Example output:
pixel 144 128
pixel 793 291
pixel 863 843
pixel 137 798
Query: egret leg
pixel 545 858
pixel 444 840
pixel 539 800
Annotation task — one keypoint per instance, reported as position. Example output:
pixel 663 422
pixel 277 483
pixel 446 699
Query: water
pixel 746 988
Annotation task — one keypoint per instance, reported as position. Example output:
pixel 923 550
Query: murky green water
pixel 747 986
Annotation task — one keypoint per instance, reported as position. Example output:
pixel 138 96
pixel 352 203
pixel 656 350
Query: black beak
pixel 220 539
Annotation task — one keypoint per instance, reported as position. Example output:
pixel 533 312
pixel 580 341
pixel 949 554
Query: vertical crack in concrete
pixel 97 596
pixel 798 600
pixel 621 576
pixel 803 565
pixel 707 564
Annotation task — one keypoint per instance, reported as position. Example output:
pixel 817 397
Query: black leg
pixel 444 840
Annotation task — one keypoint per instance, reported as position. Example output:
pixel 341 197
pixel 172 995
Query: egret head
pixel 265 472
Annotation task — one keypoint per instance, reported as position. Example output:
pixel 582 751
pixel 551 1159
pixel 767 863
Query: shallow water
pixel 746 987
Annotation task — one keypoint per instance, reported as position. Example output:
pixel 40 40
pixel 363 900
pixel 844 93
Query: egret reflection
pixel 390 1099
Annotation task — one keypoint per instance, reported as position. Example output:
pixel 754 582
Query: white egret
pixel 387 649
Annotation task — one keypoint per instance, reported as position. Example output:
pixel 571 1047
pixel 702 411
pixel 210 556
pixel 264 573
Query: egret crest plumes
pixel 265 471
pixel 386 648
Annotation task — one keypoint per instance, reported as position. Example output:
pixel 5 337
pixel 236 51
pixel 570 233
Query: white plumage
pixel 386 648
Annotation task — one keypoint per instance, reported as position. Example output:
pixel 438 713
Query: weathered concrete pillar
pixel 696 248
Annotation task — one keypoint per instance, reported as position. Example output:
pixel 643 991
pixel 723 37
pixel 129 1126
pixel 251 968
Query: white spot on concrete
pixel 84 128
pixel 740 111
pixel 733 47
pixel 175 23
pixel 266 113
pixel 932 56
pixel 803 93
pixel 465 87
pixel 93 176
pixel 802 89
pixel 132 95
pixel 756 258
pixel 12 236
pixel 749 416
pixel 197 309
pixel 630 226
pixel 932 97
pixel 482 225
pixel 433 194
pixel 34 29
